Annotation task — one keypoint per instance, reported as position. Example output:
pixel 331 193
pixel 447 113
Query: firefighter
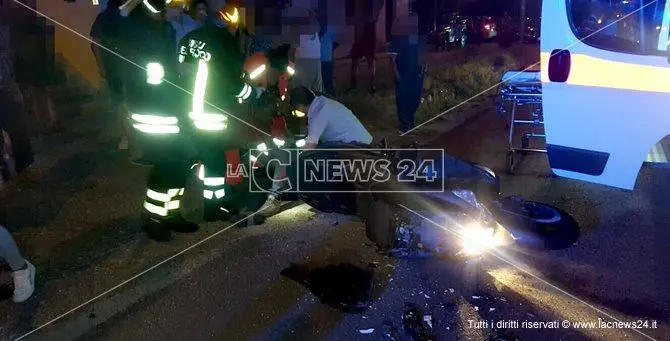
pixel 273 71
pixel 153 109
pixel 214 69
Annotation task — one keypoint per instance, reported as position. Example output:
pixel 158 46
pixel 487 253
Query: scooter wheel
pixel 380 226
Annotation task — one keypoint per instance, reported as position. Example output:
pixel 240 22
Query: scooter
pixel 459 198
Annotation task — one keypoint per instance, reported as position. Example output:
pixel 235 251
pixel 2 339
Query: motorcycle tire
pixel 558 230
pixel 380 226
pixel 543 226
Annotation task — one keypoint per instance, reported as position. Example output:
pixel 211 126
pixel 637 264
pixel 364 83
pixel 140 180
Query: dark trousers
pixel 327 76
pixel 14 122
pixel 408 98
pixel 165 189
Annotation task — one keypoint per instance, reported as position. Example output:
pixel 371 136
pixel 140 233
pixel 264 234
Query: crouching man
pixel 328 121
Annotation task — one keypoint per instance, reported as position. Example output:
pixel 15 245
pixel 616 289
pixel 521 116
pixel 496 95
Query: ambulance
pixel 605 77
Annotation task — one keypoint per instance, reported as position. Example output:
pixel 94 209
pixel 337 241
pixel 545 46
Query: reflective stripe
pixel 175 192
pixel 155 73
pixel 161 211
pixel 150 7
pixel 172 205
pixel 162 197
pixel 290 70
pixel 157 129
pixel 215 181
pixel 262 147
pixel 201 172
pixel 155 119
pixel 300 143
pixel 278 142
pixel 257 72
pixel 252 158
pixel 200 87
pixel 207 125
pixel 246 92
pixel 208 194
pixel 220 193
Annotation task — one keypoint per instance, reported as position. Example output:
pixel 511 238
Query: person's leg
pixel 318 75
pixel 9 251
pixel 415 91
pixel 22 271
pixel 162 203
pixel 402 100
pixel 15 122
pixel 372 69
pixel 327 74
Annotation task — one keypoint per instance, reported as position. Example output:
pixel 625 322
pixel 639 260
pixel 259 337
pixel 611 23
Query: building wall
pixel 74 48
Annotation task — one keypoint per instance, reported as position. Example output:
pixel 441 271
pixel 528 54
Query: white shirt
pixel 310 47
pixel 330 121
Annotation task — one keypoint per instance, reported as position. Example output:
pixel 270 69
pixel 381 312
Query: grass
pixel 451 82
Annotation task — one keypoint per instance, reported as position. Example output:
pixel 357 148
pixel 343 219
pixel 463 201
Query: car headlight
pixel 477 239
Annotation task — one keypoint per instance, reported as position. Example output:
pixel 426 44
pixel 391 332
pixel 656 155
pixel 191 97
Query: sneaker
pixel 157 230
pixel 123 144
pixel 271 204
pixel 180 225
pixel 24 283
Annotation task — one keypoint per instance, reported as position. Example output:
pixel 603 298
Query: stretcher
pixel 520 99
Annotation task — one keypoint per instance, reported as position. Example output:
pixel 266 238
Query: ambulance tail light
pixel 559 66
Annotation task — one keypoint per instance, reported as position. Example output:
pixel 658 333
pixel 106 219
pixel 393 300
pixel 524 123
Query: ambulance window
pixel 630 26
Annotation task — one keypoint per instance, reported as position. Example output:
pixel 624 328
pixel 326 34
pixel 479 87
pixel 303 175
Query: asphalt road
pixel 235 290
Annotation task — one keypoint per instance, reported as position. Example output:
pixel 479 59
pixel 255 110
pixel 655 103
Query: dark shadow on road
pixel 41 201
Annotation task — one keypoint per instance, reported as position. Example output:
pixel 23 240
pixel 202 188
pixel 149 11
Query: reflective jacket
pixel 217 82
pixel 153 102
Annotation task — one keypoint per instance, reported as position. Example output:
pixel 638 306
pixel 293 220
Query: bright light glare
pixel 290 70
pixel 155 73
pixel 298 113
pixel 477 239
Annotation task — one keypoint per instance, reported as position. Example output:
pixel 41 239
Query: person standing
pixel 407 54
pixel 327 45
pixel 14 133
pixel 105 34
pixel 365 47
pixel 188 19
pixel 308 56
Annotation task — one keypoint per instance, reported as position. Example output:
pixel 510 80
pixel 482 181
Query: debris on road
pixel 476 308
pixel 415 324
pixel 476 297
pixel 391 333
pixel 451 290
pixel 366 331
pixel 429 320
pixel 491 309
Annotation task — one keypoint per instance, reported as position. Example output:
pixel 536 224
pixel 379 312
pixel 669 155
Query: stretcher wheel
pixel 511 162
